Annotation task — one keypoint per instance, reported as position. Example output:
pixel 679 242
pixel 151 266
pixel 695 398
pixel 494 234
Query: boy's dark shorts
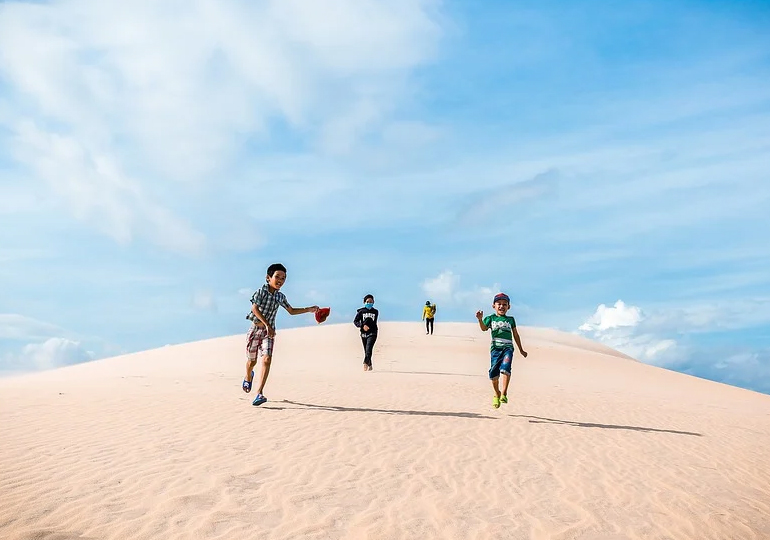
pixel 501 362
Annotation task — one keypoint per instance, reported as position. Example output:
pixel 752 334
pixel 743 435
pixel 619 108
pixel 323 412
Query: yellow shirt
pixel 428 312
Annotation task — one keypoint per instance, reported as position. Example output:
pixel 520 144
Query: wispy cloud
pixel 52 353
pixel 19 327
pixel 610 318
pixel 713 316
pixel 446 287
pixel 501 200
pixel 664 337
pixel 16 255
pixel 92 186
pixel 28 344
pixel 745 369
pixel 204 300
pixel 622 327
pixel 120 122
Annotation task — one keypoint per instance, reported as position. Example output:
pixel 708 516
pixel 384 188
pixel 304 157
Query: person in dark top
pixel 366 321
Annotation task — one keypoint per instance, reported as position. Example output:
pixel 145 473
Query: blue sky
pixel 608 166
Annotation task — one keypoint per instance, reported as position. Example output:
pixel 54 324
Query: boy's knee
pixel 267 359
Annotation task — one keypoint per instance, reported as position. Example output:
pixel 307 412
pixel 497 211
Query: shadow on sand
pixel 541 420
pixel 335 408
pixel 431 373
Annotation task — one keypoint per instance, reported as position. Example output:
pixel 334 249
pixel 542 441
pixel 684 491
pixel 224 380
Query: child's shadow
pixel 541 420
pixel 337 408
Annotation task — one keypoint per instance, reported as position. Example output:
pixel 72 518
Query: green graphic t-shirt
pixel 502 330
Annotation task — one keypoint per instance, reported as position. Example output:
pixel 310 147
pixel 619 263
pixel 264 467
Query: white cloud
pixel 658 347
pixel 117 109
pixel 446 288
pixel 617 316
pixel 624 328
pixel 478 296
pixel 52 353
pixel 46 345
pixel 744 369
pixel 443 287
pixel 91 184
pixel 662 337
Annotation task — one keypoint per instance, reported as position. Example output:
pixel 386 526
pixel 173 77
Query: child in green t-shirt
pixel 503 334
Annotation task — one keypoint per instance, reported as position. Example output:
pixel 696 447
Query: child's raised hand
pixel 479 314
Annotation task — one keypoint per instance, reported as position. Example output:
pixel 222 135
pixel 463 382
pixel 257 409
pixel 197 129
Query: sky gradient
pixel 607 167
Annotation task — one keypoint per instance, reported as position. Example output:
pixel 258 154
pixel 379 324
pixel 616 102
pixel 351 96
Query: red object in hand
pixel 322 314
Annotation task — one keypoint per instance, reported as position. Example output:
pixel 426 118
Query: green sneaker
pixel 503 399
pixel 496 402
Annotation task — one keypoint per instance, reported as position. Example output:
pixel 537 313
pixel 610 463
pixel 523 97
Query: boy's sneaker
pixel 503 399
pixel 496 402
pixel 259 400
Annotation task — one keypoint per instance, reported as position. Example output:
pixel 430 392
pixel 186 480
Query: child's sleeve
pixel 486 320
pixel 513 323
pixel 283 301
pixel 357 320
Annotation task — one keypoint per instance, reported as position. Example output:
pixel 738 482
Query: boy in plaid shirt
pixel 261 335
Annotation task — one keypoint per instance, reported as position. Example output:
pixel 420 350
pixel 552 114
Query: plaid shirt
pixel 267 303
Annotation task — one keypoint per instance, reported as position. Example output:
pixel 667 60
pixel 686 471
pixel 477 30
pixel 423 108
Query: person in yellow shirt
pixel 428 314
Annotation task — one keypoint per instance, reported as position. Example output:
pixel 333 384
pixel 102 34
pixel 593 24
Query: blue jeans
pixel 500 362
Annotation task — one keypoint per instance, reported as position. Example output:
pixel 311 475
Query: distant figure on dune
pixel 261 335
pixel 501 350
pixel 428 314
pixel 366 321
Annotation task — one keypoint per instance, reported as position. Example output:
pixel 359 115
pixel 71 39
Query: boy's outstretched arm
pixel 300 311
pixel 518 342
pixel 480 317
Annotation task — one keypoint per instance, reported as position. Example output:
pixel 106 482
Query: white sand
pixel 593 446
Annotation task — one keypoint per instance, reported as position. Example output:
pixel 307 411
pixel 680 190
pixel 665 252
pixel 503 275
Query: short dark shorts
pixel 500 362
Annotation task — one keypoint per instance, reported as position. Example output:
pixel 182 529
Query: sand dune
pixel 593 445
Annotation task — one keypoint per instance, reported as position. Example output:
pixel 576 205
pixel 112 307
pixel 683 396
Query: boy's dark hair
pixel 273 268
pixel 369 296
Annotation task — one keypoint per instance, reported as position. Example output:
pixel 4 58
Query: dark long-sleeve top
pixel 367 317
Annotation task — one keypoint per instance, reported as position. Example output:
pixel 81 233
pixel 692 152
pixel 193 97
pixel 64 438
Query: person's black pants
pixel 368 343
pixel 429 325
